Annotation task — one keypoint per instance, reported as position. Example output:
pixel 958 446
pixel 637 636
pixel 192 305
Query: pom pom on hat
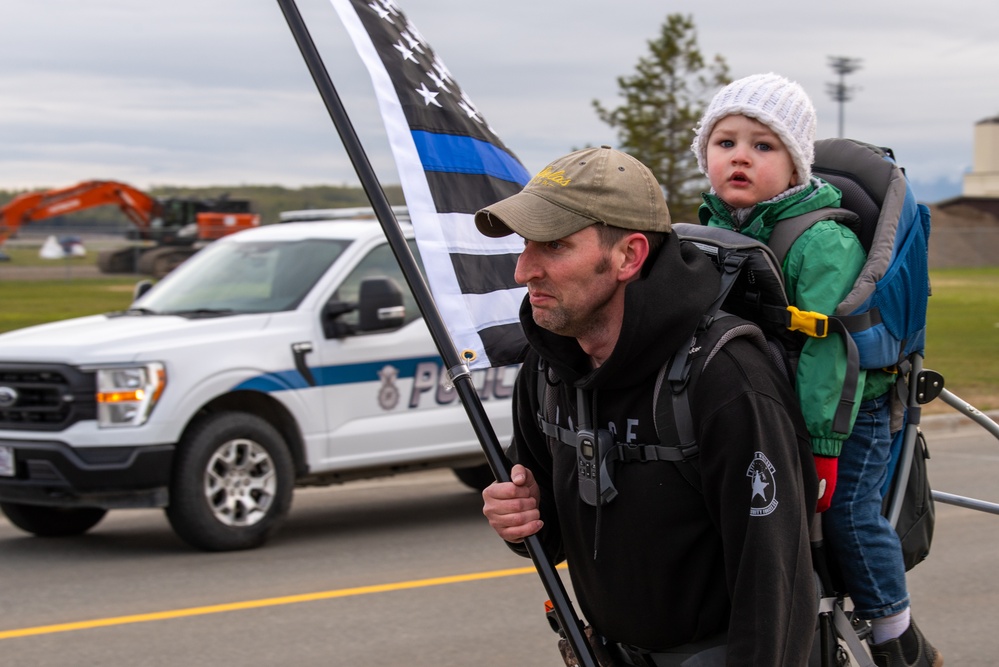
pixel 780 104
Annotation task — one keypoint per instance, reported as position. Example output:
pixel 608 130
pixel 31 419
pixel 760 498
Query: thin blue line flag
pixel 450 165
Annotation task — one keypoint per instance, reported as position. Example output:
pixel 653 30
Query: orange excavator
pixel 177 226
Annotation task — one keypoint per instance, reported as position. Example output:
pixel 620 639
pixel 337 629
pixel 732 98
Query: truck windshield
pixel 244 277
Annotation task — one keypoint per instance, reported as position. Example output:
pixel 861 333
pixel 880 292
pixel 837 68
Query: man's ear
pixel 634 252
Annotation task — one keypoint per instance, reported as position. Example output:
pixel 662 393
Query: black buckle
pixel 632 453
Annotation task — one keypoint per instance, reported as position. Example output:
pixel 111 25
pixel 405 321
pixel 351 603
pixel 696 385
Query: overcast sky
pixel 206 92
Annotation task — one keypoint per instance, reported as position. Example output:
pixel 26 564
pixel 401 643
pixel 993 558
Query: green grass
pixel 29 302
pixel 28 256
pixel 962 337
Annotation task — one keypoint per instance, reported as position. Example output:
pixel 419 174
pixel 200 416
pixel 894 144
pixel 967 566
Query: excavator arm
pixel 177 225
pixel 30 207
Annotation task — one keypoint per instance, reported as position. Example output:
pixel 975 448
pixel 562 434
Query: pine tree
pixel 663 102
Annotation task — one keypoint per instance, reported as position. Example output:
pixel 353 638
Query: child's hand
pixel 826 467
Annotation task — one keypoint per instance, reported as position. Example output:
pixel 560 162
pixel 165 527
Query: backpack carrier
pixel 883 325
pixel 882 321
pixel 885 315
pixel 885 311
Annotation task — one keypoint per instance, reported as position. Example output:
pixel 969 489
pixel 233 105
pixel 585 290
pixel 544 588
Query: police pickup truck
pixel 288 355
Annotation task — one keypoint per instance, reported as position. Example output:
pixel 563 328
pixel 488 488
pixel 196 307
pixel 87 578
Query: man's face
pixel 569 282
pixel 747 162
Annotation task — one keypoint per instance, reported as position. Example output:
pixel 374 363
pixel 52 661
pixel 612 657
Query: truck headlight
pixel 126 395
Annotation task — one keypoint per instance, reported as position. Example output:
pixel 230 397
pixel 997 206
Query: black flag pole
pixel 458 372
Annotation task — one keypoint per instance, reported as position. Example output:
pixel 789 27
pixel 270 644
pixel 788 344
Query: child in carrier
pixel 755 143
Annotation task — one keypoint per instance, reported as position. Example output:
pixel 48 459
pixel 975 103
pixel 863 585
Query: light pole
pixel 840 92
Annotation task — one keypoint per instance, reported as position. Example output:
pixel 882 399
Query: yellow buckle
pixel 811 323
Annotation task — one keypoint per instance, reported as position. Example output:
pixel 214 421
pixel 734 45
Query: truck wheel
pixel 121 260
pixel 158 262
pixel 476 477
pixel 232 483
pixel 53 521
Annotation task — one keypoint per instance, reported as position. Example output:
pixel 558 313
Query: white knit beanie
pixel 778 103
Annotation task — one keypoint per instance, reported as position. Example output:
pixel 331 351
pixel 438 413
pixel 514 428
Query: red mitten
pixel 826 467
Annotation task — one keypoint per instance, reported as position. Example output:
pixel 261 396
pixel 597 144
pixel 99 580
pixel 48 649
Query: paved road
pixel 388 533
pixel 374 573
pixel 955 592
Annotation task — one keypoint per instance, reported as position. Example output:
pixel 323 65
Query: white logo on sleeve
pixel 764 489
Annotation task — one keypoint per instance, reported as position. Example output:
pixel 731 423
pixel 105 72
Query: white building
pixel 983 181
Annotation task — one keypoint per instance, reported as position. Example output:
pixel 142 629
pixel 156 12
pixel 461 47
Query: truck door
pixel 384 399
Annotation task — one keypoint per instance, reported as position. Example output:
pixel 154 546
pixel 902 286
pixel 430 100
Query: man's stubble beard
pixel 562 321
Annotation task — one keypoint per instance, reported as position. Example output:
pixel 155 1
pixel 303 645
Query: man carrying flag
pixel 664 572
pixel 701 560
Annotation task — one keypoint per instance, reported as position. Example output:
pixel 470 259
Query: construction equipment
pixel 177 227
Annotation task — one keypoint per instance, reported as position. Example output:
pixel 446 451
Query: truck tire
pixel 158 262
pixel 475 477
pixel 53 521
pixel 232 483
pixel 120 260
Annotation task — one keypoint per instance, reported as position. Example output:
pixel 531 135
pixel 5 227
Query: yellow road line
pixel 266 602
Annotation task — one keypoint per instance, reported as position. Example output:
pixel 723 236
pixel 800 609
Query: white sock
pixel 890 627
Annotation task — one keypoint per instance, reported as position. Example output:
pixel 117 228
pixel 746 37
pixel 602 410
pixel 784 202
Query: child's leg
pixel 862 542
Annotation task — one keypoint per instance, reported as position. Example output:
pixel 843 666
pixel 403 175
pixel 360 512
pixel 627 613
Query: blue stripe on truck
pixel 332 375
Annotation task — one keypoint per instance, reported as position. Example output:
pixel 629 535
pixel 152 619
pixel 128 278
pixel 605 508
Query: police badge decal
pixel 764 487
pixel 388 393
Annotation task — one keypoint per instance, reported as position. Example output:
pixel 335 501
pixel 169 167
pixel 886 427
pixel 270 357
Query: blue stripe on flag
pixel 467 155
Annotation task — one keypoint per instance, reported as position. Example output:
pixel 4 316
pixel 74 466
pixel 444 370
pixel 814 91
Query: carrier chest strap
pixel 786 232
pixel 620 452
pixel 625 453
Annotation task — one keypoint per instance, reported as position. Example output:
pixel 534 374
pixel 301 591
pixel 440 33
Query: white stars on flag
pixel 441 69
pixel 412 41
pixel 439 82
pixel 407 53
pixel 429 97
pixel 471 111
pixel 469 108
pixel 381 11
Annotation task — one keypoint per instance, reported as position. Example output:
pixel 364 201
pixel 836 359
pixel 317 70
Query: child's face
pixel 747 162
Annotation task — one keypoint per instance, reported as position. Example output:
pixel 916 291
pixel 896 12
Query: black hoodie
pixel 664 564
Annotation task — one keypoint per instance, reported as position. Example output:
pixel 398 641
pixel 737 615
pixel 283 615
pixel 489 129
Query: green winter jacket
pixel 819 271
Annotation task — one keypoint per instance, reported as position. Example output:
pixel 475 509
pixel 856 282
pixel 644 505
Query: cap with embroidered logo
pixel 589 186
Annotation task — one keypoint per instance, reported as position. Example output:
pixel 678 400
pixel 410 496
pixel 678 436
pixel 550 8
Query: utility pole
pixel 840 92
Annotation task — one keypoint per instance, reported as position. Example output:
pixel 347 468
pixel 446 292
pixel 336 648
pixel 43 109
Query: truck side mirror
pixel 333 327
pixel 380 305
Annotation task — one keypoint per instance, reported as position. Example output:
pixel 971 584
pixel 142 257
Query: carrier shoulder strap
pixel 787 231
pixel 784 234
pixel 674 419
